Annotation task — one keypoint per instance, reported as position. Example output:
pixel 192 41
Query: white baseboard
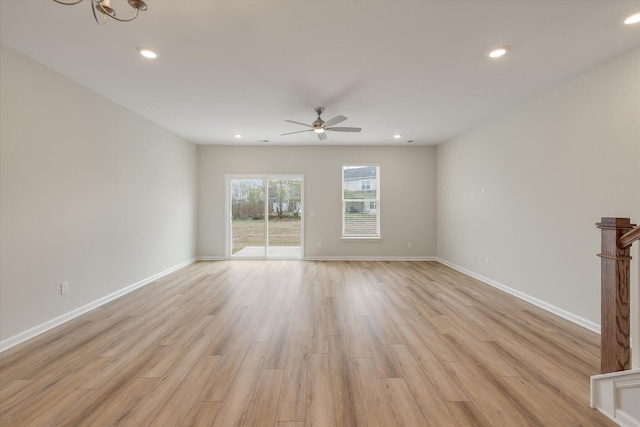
pixel 615 395
pixel 10 342
pixel 330 258
pixel 369 258
pixel 585 323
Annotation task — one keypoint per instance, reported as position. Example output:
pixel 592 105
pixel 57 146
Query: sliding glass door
pixel 265 216
pixel 248 221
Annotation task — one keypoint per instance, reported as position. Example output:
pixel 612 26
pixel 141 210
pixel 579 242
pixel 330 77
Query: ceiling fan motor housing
pixel 318 123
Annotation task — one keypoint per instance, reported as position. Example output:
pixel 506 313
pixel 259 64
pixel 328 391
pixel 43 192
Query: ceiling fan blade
pixel 322 136
pixel 298 131
pixel 298 123
pixel 339 129
pixel 335 121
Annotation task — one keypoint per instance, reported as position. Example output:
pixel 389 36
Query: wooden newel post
pixel 615 260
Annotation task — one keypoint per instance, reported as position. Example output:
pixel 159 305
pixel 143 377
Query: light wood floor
pixel 293 343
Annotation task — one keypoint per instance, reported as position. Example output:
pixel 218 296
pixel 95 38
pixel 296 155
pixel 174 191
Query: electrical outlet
pixel 174 251
pixel 319 244
pixel 486 260
pixel 475 257
pixel 64 287
pixel 409 244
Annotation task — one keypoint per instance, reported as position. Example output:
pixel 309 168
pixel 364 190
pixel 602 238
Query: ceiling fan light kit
pixel 104 7
pixel 320 127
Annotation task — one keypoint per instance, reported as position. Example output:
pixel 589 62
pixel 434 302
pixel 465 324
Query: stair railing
pixel 618 234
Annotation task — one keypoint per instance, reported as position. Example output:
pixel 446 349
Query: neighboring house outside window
pixel 360 201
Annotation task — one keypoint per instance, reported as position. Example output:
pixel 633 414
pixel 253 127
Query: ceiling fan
pixel 319 126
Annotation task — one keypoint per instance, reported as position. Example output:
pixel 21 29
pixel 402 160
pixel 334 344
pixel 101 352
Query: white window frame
pixel 378 235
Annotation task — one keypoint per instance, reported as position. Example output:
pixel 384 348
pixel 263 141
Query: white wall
pixel 552 167
pixel 407 196
pixel 91 194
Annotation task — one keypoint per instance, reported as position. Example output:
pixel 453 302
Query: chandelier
pixel 104 8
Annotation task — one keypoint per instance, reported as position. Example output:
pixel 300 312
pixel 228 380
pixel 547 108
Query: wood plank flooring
pixel 295 343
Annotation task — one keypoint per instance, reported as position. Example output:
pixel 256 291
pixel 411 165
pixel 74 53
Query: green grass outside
pixel 359 223
pixel 249 232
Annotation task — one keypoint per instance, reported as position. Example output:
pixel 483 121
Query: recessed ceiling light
pixel 633 19
pixel 147 53
pixel 237 135
pixel 397 136
pixel 499 52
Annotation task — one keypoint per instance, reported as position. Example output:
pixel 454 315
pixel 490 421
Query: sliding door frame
pixel 229 215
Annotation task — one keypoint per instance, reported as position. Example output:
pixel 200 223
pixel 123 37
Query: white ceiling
pixel 418 68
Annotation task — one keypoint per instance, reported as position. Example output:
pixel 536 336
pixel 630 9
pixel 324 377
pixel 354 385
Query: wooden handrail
pixel 627 239
pixel 615 262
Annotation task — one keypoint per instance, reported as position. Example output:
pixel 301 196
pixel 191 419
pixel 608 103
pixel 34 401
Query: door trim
pixel 229 216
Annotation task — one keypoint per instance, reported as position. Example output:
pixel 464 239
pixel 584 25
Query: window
pixel 360 201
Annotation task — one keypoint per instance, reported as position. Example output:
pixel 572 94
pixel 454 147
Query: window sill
pixel 361 239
